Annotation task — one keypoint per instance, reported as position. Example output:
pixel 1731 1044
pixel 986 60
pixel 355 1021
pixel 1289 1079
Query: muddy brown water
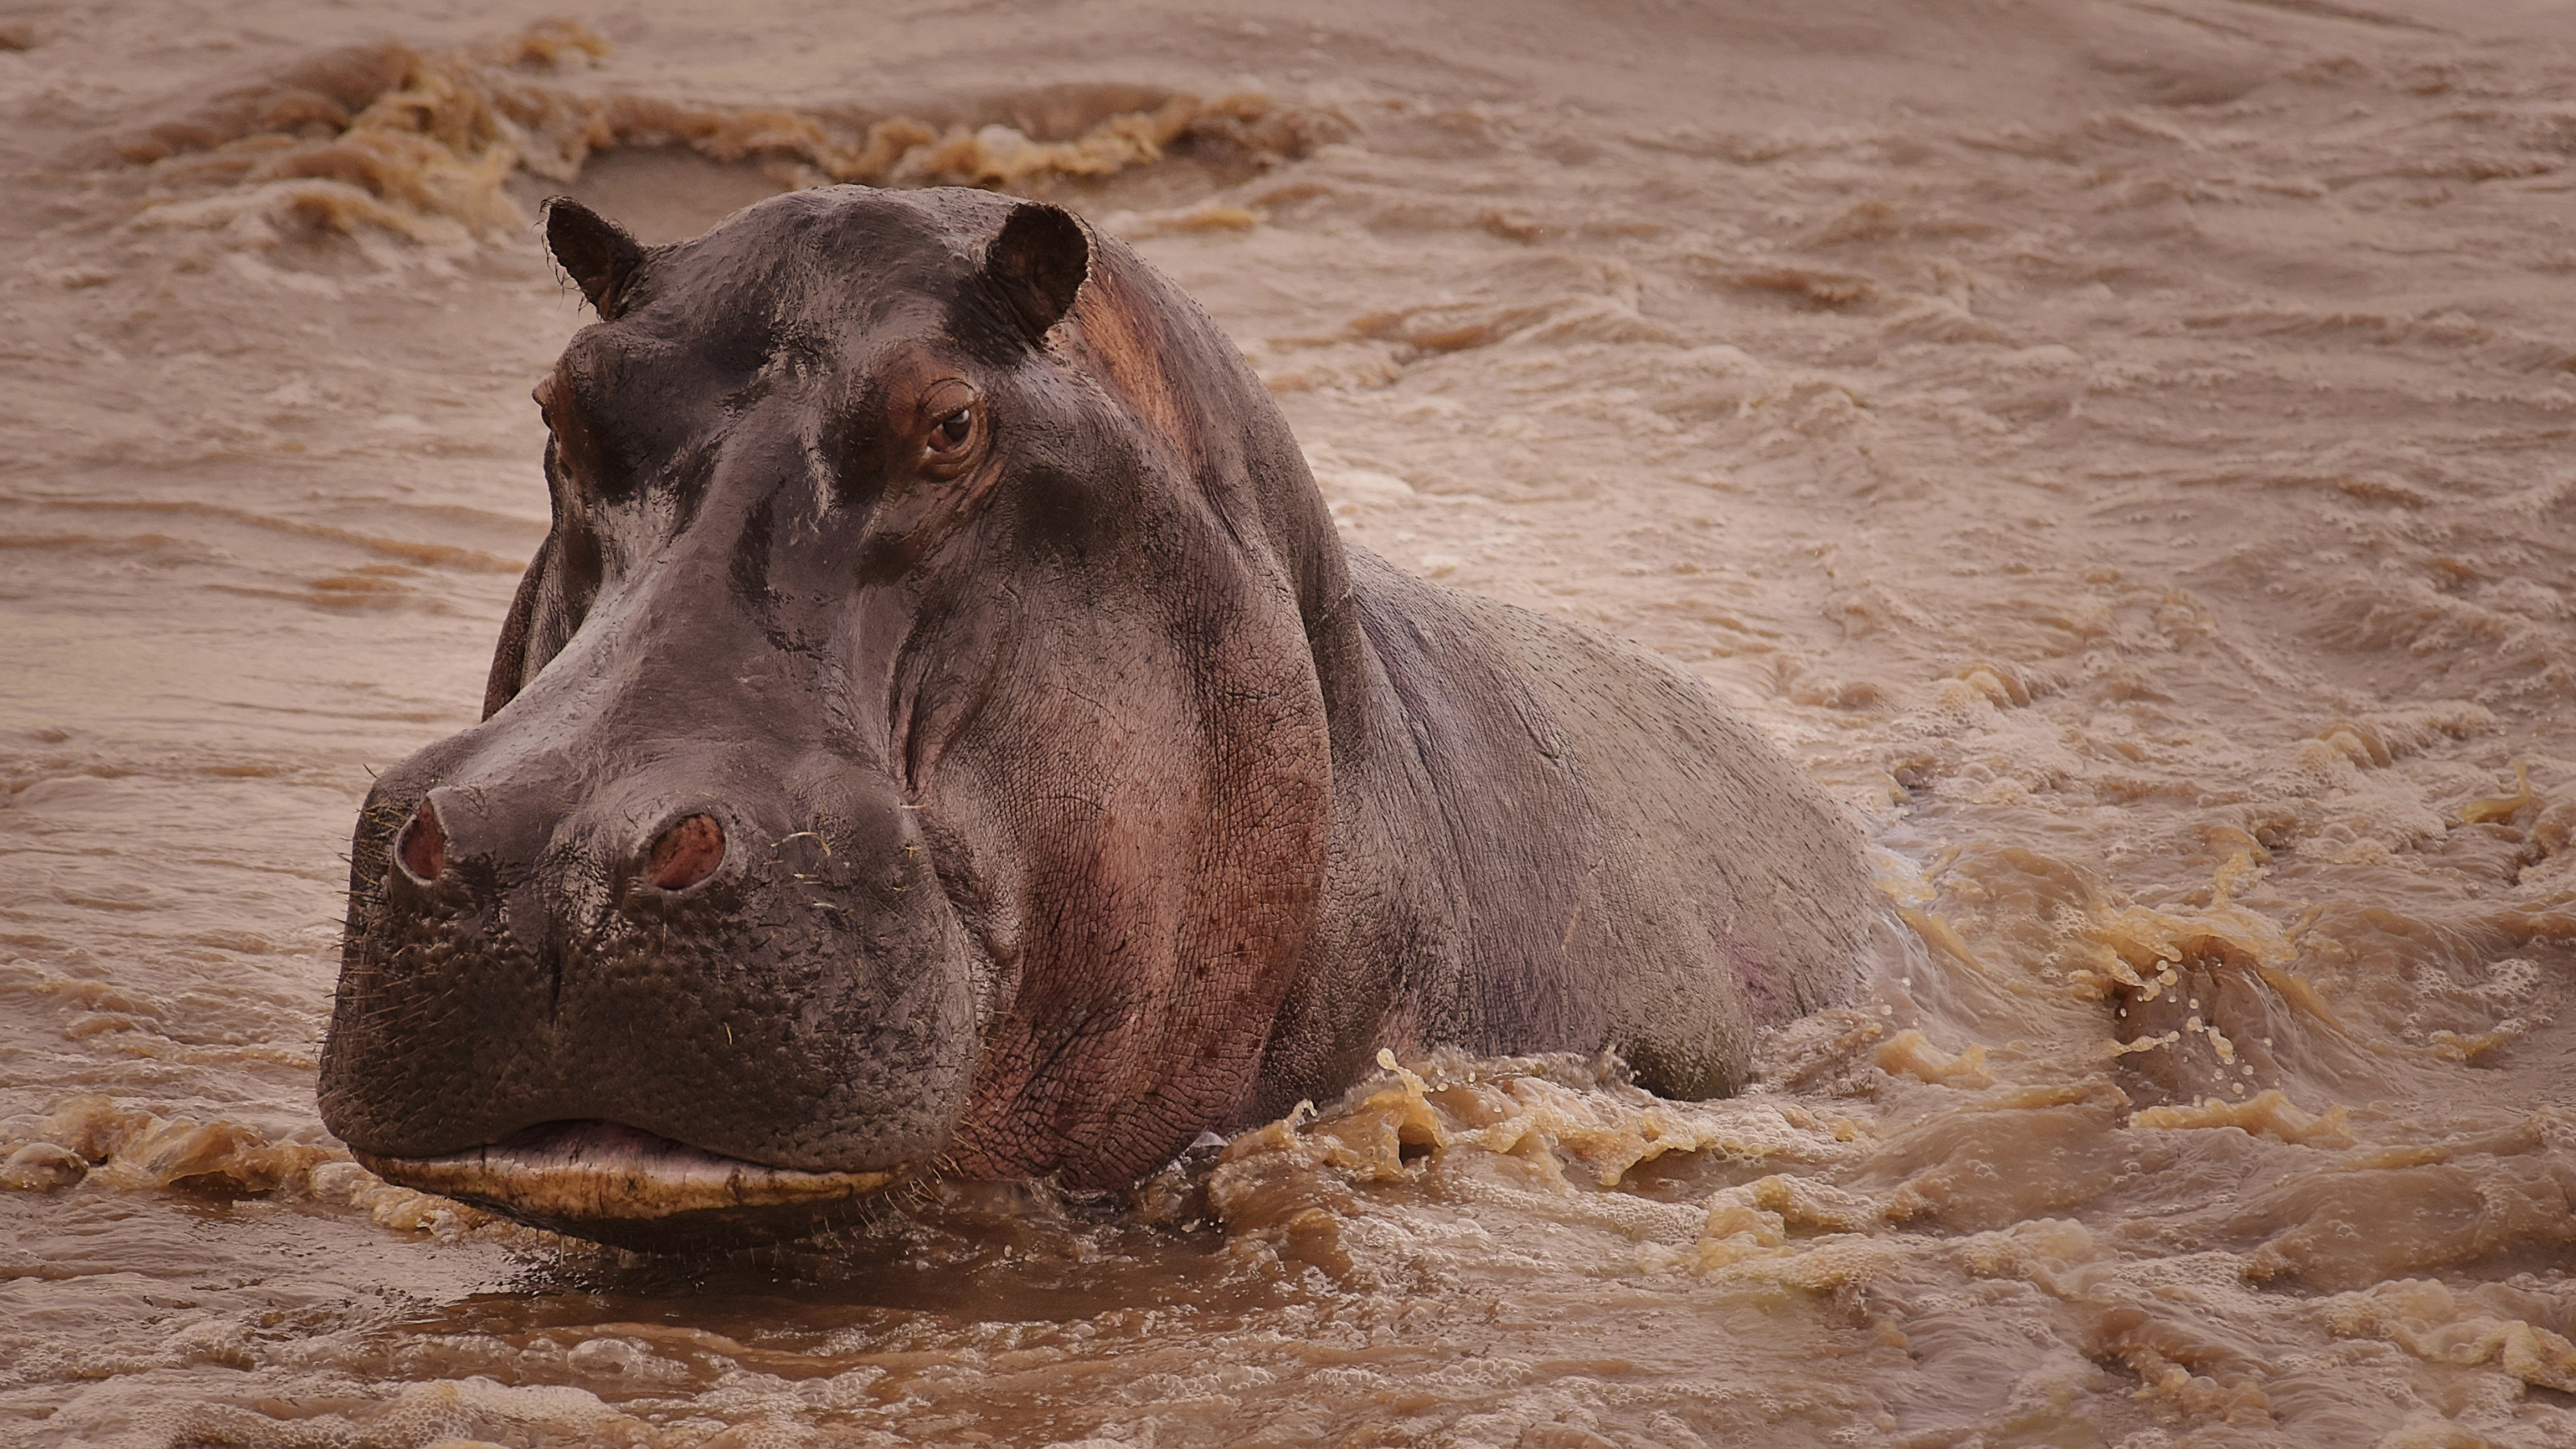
pixel 2123 451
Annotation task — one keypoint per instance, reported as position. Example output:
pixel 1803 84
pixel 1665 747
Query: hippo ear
pixel 598 253
pixel 1037 265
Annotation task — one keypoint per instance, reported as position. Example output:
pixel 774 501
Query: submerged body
pixel 944 731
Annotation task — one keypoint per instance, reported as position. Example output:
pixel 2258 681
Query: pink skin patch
pixel 686 854
pixel 423 846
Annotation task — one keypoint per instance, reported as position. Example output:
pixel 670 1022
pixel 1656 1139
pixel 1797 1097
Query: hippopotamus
pixel 943 734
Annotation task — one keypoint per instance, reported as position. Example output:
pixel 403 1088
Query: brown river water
pixel 2122 450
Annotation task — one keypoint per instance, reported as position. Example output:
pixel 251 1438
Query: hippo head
pixel 904 754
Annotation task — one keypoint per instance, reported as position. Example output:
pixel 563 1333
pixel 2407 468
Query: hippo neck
pixel 1390 889
pixel 1150 346
pixel 1391 960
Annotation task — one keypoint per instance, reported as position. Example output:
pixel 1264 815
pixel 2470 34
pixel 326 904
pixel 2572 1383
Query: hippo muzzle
pixel 645 957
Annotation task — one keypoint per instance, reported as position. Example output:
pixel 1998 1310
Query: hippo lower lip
pixel 617 1184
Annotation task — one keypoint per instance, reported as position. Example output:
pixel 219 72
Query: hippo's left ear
pixel 1037 265
pixel 597 252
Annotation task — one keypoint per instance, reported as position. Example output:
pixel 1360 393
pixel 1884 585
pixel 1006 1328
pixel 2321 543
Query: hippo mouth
pixel 629 1188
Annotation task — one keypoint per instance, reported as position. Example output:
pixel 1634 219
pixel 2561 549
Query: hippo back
pixel 1557 841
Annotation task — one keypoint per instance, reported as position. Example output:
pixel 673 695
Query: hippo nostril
pixel 422 846
pixel 686 854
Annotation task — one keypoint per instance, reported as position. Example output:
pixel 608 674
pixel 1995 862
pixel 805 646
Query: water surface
pixel 2123 451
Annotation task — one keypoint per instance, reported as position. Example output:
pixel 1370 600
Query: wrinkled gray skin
pixel 1078 789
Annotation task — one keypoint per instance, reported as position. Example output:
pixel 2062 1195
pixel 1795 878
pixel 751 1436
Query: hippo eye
pixel 953 428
